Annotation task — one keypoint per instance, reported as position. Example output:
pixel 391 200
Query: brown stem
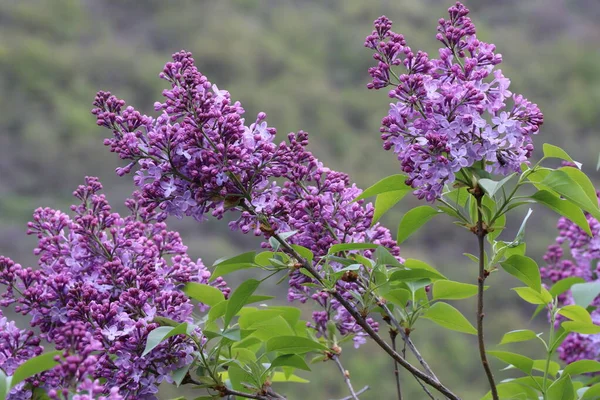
pixel 231 392
pixel 225 391
pixel 481 232
pixel 393 335
pixel 366 327
pixel 346 375
pixel 408 342
pixel 361 391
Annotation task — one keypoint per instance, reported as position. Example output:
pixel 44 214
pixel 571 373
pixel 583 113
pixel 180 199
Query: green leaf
pixel 162 333
pixel 179 374
pixel 413 220
pixel 227 266
pixel 217 311
pixel 250 316
pixel 281 377
pixel 521 335
pixel 271 327
pixel 389 184
pixel 239 299
pixel 264 259
pixel 337 248
pixel 562 183
pixel 564 208
pixel 460 196
pixel 293 345
pixel 497 228
pixel 414 275
pixel 472 257
pixel 520 236
pixel 551 151
pixel 581 327
pixel 521 362
pixel 491 187
pixel 564 284
pixel 583 181
pixel 524 269
pixel 3 385
pixel 34 366
pixel 256 298
pixel 538 175
pixel 304 252
pixel 553 367
pixel 398 297
pixel 593 393
pixel 581 367
pixel 235 335
pixel 290 314
pixel 450 290
pixel 206 294
pixel 513 390
pixel 284 236
pixel 415 264
pixel 385 201
pixel 532 296
pixel 515 250
pixel 585 293
pixel 449 317
pixel 576 313
pixel 290 360
pixel 384 257
pixel 561 389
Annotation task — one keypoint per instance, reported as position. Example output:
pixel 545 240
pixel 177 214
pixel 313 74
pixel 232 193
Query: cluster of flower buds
pixel 451 112
pixel 101 282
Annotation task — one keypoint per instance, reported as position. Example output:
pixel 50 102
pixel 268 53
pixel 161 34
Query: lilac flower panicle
pixel 101 281
pixel 451 112
pixel 200 156
pixel 580 261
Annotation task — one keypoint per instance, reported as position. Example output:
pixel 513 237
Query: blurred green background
pixel 303 63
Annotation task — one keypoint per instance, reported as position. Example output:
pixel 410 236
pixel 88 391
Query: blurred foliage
pixel 303 63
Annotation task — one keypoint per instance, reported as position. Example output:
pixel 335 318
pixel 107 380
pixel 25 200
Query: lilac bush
pixel 127 309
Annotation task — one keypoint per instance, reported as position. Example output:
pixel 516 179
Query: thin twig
pixel 225 391
pixel 424 388
pixel 361 391
pixel 408 342
pixel 346 375
pixel 393 334
pixel 427 392
pixel 231 392
pixel 365 326
pixel 481 232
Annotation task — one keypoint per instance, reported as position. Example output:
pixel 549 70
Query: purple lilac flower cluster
pixel 199 156
pixel 101 282
pixel 16 347
pixel 584 252
pixel 450 112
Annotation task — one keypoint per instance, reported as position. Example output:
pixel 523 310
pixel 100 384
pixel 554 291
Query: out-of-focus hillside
pixel 302 62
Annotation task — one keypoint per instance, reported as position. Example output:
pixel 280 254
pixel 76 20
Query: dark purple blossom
pixel 199 156
pixel 101 281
